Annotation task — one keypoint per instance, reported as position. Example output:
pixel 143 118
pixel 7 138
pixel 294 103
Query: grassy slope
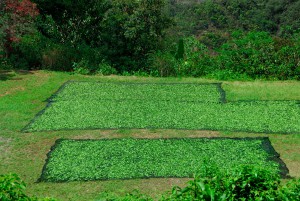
pixel 24 94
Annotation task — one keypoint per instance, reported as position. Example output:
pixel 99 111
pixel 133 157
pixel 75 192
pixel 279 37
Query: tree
pixel 17 19
pixel 132 29
pixel 122 31
pixel 290 19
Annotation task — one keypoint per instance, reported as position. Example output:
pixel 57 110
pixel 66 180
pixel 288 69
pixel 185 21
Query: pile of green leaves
pixel 142 91
pixel 72 160
pixel 111 106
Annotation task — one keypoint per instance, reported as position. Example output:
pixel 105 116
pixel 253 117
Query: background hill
pixel 255 39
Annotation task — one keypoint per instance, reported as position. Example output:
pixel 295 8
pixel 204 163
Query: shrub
pixel 59 57
pixel 81 67
pixel 163 64
pixel 180 50
pixel 105 68
pixel 27 52
pixel 12 188
pixel 198 61
pixel 133 196
pixel 5 64
pixel 16 20
pixel 258 55
pixel 247 184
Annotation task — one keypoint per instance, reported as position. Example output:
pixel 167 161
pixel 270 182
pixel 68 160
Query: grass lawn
pixel 24 94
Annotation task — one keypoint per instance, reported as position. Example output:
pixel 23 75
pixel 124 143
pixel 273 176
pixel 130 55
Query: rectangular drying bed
pixel 77 160
pixel 90 105
pixel 187 92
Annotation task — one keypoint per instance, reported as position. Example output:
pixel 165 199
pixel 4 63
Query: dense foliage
pixel 72 160
pixel 244 56
pixel 230 39
pixel 88 105
pixel 248 182
pixel 93 35
pixel 12 188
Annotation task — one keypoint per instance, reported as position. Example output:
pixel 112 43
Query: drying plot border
pixel 49 103
pixel 265 145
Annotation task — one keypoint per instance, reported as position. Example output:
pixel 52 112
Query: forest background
pixel 222 39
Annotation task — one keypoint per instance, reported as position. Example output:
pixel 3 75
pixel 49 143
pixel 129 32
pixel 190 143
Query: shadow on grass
pixel 10 74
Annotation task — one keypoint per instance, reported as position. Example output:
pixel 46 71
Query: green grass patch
pixel 92 105
pixel 72 160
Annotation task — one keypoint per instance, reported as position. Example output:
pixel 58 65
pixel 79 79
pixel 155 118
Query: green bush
pixel 133 196
pixel 12 188
pixel 244 56
pixel 180 51
pixel 214 39
pixel 248 54
pixel 82 67
pixel 191 59
pixel 197 61
pixel 59 57
pixel 163 64
pixel 127 34
pixel 28 51
pixel 248 183
pixel 105 68
pixel 257 55
pixel 5 64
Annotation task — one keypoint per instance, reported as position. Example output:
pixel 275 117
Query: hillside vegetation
pixel 215 38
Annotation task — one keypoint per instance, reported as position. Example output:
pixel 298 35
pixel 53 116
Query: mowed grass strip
pixel 76 160
pixel 139 91
pixel 252 116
